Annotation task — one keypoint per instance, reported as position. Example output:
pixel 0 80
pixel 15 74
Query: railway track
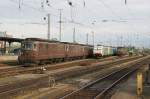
pixel 99 88
pixel 77 71
pixel 47 95
pixel 15 70
pixel 23 86
pixel 14 64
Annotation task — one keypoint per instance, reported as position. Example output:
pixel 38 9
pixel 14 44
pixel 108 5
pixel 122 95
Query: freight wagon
pixel 35 50
pixel 114 49
pixel 101 50
pixel 121 51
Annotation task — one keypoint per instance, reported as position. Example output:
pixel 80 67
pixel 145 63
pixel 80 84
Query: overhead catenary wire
pixel 114 13
pixel 110 9
pixel 132 25
pixel 43 11
pixel 65 20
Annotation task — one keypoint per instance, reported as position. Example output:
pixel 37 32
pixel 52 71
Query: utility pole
pixel 93 37
pixel 74 35
pixel 60 24
pixel 48 31
pixel 121 38
pixel 87 38
pixel 19 4
pixel 125 2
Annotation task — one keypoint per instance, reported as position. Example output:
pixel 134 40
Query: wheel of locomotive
pixel 69 58
pixel 19 63
pixel 73 58
pixel 76 58
pixel 37 62
pixel 50 61
pixel 63 59
pixel 59 60
pixel 54 60
pixel 41 62
pixel 82 57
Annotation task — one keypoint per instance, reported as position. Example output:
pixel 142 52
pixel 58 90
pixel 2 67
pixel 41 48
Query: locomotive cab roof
pixel 42 40
pixel 54 41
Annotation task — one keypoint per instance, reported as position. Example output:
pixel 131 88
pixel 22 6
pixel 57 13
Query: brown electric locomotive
pixel 35 50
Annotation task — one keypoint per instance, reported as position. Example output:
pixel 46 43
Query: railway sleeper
pixel 19 85
pixel 84 94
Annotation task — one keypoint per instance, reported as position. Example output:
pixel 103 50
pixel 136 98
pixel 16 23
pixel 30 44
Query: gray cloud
pixel 112 18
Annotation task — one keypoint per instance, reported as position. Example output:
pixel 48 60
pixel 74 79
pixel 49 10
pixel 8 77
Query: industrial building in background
pixel 2 43
pixel 8 44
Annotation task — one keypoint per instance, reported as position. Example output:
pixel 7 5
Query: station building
pixel 8 43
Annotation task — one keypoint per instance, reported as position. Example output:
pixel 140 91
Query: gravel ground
pixel 8 58
pixel 49 93
pixel 127 90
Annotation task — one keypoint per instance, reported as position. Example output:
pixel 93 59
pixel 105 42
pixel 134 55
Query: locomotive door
pixel 66 50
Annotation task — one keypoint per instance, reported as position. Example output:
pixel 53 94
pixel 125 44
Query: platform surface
pixel 8 58
pixel 19 78
pixel 128 90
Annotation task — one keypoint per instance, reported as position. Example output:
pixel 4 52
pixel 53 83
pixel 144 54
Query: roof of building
pixel 9 39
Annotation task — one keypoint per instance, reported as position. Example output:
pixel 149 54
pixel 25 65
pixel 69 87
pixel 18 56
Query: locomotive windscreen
pixel 27 45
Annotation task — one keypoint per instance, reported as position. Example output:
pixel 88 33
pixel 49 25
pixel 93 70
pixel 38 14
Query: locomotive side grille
pixel 28 56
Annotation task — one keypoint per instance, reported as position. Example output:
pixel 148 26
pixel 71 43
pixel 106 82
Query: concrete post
pixel 9 47
pixel 4 47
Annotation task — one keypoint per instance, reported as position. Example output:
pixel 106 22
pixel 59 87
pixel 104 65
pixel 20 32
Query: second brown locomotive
pixel 36 50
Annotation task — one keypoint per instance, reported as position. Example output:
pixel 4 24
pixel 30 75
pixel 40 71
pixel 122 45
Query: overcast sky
pixel 114 23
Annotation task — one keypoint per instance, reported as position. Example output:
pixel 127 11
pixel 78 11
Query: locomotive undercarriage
pixel 51 61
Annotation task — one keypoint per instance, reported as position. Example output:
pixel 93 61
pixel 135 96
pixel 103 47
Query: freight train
pixel 35 50
pixel 121 51
pixel 101 50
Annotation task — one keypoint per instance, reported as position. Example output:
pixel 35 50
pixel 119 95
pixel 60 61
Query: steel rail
pixel 11 91
pixel 101 79
pixel 19 69
pixel 101 94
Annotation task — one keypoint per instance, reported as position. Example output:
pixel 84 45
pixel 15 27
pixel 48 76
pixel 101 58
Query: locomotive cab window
pixel 27 46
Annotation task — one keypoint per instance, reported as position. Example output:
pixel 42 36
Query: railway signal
pixel 48 25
